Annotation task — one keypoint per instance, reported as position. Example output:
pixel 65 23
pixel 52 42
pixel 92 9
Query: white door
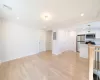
pixel 49 40
pixel 42 41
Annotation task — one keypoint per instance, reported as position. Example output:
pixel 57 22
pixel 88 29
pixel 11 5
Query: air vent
pixel 7 7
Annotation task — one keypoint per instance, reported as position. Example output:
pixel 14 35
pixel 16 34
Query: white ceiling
pixel 64 12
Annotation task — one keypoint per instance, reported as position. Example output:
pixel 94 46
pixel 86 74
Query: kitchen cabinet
pixel 97 34
pixel 83 51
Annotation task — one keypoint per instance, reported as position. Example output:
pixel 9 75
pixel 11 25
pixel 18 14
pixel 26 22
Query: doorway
pixel 49 40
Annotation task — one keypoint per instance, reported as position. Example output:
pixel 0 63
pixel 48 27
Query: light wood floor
pixel 45 66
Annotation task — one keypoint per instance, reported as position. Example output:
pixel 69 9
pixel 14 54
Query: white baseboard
pixel 61 52
pixel 17 58
pixel 21 57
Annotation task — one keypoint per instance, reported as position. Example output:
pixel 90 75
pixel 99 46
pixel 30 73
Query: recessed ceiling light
pixel 46 16
pixel 82 14
pixel 17 17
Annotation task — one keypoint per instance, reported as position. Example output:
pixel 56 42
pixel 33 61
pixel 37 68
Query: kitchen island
pixel 83 50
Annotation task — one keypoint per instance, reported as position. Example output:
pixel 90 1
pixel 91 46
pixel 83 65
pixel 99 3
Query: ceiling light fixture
pixel 46 16
pixel 82 14
pixel 17 17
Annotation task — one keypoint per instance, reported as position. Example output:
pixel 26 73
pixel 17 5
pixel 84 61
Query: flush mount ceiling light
pixel 17 17
pixel 46 16
pixel 82 14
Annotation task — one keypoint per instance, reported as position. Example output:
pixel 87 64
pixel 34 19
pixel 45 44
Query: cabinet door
pixel 97 34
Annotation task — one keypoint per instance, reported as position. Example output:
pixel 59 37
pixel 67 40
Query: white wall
pixel 18 41
pixel 66 40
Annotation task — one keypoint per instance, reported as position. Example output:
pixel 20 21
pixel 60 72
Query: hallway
pixel 45 66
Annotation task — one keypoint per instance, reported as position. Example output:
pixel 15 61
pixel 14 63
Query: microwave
pixel 90 36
